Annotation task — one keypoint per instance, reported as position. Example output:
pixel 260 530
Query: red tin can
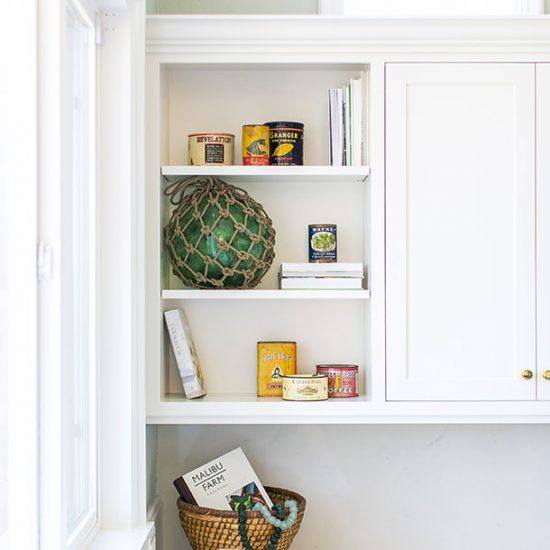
pixel 342 379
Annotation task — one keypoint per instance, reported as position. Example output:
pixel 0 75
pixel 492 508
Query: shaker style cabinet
pixel 461 231
pixel 543 230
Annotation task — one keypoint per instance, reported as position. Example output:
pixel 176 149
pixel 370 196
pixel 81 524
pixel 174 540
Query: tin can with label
pixel 255 145
pixel 286 143
pixel 275 360
pixel 211 149
pixel 322 242
pixel 305 387
pixel 342 379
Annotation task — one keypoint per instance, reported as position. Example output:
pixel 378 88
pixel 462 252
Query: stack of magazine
pixel 337 275
pixel 346 123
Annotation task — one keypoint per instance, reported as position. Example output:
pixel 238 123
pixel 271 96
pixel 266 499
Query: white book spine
pixel 357 120
pixel 185 354
pixel 320 283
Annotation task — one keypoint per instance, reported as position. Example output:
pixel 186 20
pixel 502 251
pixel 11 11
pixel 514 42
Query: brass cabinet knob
pixel 546 374
pixel 527 374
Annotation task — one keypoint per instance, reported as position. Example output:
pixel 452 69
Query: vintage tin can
pixel 255 145
pixel 342 379
pixel 305 387
pixel 275 359
pixel 322 241
pixel 211 149
pixel 286 143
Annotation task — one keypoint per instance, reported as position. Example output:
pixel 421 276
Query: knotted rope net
pixel 218 236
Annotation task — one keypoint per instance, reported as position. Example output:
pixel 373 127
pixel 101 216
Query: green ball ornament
pixel 218 236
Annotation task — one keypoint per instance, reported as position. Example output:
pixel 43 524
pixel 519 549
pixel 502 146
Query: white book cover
pixel 340 112
pixel 357 121
pixel 295 269
pixel 319 283
pixel 346 124
pixel 336 126
pixel 185 353
pixel 219 483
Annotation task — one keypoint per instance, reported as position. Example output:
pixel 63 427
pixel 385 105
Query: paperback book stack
pixel 346 124
pixel 337 275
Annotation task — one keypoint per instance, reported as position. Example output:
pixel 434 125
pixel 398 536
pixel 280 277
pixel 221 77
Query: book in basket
pixel 222 482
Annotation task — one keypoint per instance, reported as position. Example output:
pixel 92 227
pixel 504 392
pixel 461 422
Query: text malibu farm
pixel 211 477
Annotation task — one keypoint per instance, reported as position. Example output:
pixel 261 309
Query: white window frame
pixel 88 16
pixel 18 171
pixel 54 144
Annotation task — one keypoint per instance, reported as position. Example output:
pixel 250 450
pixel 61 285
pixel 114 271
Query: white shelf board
pixel 274 174
pixel 246 408
pixel 265 294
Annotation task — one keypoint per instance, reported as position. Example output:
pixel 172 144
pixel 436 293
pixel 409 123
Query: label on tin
pixel 255 145
pixel 312 387
pixel 286 143
pixel 213 153
pixel 322 243
pixel 275 359
pixel 342 382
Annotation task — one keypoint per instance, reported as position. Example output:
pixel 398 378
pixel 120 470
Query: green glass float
pixel 218 236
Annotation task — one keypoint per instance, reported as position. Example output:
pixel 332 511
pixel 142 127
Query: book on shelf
pixel 319 283
pixel 336 269
pixel 185 353
pixel 336 124
pixel 219 483
pixel 346 124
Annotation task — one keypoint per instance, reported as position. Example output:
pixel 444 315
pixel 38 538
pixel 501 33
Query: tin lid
pixel 285 124
pixel 275 342
pixel 338 367
pixel 305 376
pixel 211 134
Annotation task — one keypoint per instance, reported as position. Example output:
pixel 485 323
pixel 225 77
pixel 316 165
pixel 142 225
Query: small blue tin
pixel 322 243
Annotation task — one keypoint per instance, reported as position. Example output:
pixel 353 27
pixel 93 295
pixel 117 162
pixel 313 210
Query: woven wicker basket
pixel 209 529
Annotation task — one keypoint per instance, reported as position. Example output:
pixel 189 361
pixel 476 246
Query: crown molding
pixel 315 34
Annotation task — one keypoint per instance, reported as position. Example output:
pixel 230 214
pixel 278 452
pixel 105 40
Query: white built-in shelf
pixel 246 408
pixel 265 294
pixel 274 174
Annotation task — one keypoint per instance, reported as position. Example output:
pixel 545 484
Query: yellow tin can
pixel 305 387
pixel 275 360
pixel 255 145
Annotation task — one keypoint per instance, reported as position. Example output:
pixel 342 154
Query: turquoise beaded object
pixel 285 524
pixel 279 521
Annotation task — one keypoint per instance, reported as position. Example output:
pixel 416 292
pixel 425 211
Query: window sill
pixel 138 538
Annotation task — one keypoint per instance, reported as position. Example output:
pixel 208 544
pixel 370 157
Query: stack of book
pixel 346 124
pixel 337 275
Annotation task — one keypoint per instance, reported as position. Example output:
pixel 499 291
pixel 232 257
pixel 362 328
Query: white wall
pixel 386 487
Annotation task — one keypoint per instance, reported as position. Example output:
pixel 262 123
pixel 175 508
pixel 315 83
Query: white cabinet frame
pixel 543 230
pixel 376 41
pixel 424 311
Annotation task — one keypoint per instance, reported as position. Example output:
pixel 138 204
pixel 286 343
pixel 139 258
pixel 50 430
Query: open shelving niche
pixel 328 326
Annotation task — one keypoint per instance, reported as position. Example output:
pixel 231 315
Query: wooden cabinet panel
pixel 460 231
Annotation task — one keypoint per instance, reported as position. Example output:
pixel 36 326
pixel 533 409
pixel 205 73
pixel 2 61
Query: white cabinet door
pixel 543 230
pixel 460 231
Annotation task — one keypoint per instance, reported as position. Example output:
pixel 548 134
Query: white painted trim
pixel 122 421
pixel 543 229
pixel 137 538
pixel 169 34
pixel 18 302
pixel 242 409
